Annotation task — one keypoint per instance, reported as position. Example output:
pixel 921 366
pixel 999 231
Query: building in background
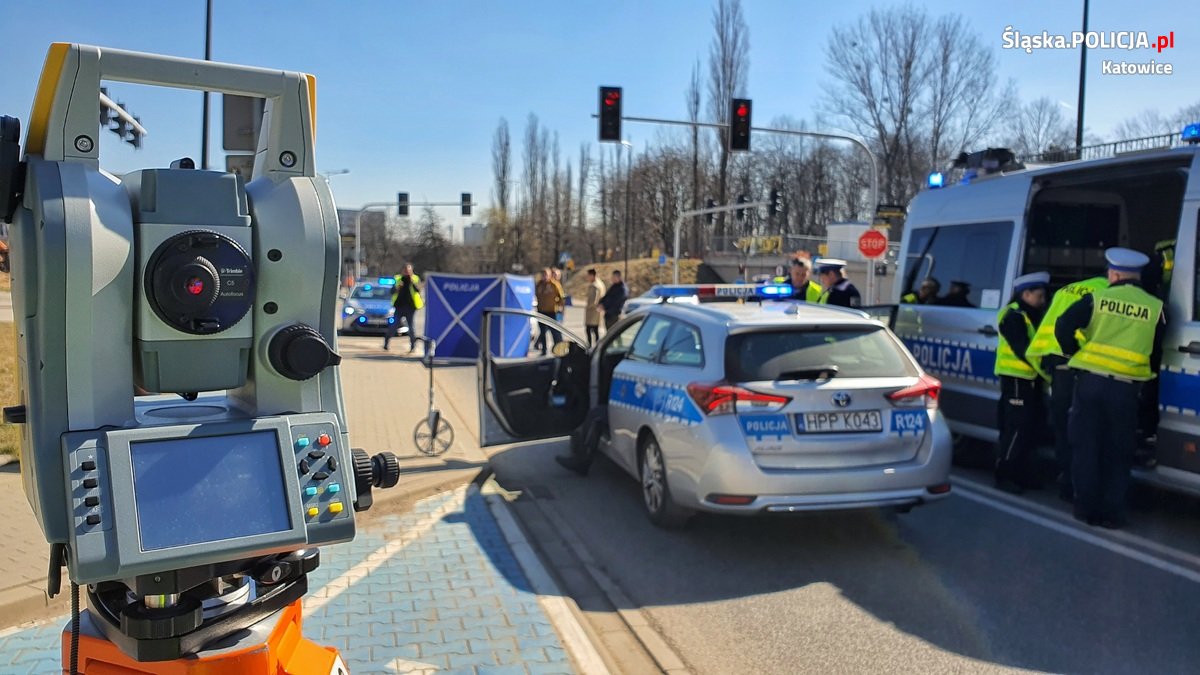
pixel 475 234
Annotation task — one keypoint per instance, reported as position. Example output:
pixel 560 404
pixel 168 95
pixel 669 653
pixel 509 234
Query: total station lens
pixel 195 286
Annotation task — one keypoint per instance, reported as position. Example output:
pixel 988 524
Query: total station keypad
pixel 320 480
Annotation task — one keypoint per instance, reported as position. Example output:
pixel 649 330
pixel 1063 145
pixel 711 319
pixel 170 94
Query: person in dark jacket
pixel 614 300
pixel 838 289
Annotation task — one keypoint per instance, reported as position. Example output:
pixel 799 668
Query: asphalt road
pixel 979 582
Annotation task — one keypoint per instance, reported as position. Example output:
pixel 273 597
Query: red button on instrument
pixel 324 440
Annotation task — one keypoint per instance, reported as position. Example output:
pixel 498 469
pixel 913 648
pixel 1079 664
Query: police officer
pixel 1045 346
pixel 925 294
pixel 1122 327
pixel 837 288
pixel 1021 401
pixel 803 287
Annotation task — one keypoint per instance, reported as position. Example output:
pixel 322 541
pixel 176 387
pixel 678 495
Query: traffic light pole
pixel 377 205
pixel 703 212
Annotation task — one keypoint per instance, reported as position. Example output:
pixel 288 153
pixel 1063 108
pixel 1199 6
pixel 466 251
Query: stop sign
pixel 872 244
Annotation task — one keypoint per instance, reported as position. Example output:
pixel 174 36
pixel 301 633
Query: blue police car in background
pixel 368 308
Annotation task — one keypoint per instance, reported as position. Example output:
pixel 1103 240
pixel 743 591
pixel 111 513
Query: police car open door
pixel 533 378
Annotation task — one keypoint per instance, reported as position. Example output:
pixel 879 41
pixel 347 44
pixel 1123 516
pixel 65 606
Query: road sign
pixel 872 244
pixel 662 260
pixel 889 211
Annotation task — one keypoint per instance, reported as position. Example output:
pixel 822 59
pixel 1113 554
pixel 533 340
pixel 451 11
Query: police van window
pixel 649 339
pixel 968 262
pixel 683 346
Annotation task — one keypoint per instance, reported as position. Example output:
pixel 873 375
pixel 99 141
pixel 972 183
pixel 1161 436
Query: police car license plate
pixel 833 422
pixel 377 322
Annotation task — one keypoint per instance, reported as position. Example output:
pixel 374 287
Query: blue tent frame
pixel 454 305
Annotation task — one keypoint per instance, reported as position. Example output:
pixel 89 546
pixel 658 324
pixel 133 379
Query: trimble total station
pixel 185 446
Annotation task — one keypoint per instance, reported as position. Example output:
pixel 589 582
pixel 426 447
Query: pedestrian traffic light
pixel 708 217
pixel 775 204
pixel 610 114
pixel 741 213
pixel 739 125
pixel 402 200
pixel 466 203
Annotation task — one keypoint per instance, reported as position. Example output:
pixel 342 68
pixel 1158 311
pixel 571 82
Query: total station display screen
pixel 206 489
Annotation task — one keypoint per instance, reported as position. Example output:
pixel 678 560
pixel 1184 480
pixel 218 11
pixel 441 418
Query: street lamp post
pixel 628 183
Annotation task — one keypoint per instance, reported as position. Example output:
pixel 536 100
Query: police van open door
pixel 1059 219
pixel 523 394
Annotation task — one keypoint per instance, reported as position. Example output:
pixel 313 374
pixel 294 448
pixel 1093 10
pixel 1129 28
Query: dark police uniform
pixel 1022 407
pixel 843 293
pixel 1122 326
pixel 1062 379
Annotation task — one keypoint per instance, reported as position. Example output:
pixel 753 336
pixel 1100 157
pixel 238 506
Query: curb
pixel 554 602
pixel 663 654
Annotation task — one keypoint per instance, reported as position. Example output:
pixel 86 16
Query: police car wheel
pixel 656 494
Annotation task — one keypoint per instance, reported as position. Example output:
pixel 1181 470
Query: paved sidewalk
pixel 437 589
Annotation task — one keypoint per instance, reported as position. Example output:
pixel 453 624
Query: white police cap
pixel 1027 281
pixel 828 264
pixel 1125 259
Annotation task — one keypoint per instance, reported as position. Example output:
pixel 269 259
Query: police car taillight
pixel 720 398
pixel 923 393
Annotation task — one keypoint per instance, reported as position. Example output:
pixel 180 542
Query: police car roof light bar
pixel 1191 134
pixel 721 290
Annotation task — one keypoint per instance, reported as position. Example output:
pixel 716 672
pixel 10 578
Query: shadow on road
pixel 959 576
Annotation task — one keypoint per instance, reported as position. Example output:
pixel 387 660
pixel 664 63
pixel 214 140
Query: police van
pixel 1000 220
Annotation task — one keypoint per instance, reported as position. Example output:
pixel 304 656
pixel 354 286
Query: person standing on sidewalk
pixel 614 300
pixel 1021 410
pixel 592 313
pixel 549 295
pixel 406 298
pixel 562 305
pixel 1122 328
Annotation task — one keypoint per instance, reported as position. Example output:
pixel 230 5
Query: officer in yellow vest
pixel 406 298
pixel 1022 410
pixel 1062 379
pixel 1122 327
pixel 803 287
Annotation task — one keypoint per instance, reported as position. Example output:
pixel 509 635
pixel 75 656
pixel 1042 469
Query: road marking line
pixel 1054 520
pixel 549 596
pixel 409 535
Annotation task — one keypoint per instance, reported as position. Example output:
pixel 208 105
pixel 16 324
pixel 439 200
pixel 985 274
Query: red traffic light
pixel 612 97
pixel 743 110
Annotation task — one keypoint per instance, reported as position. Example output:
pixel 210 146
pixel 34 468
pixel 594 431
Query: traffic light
pixel 402 200
pixel 708 217
pixel 610 114
pixel 775 205
pixel 741 213
pixel 135 136
pixel 739 125
pixel 466 203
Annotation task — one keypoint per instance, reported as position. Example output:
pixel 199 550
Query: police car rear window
pixel 857 352
pixel 372 293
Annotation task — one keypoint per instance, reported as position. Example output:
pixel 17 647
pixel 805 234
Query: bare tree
pixel 585 162
pixel 1152 122
pixel 1040 125
pixel 962 103
pixel 728 64
pixel 502 164
pixel 692 98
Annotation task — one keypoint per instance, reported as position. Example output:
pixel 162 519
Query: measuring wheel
pixel 430 442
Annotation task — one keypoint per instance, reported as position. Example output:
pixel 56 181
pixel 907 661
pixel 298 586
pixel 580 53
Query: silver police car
pixel 744 408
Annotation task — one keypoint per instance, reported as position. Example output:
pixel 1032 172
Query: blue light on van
pixel 936 180
pixel 387 281
pixel 1191 133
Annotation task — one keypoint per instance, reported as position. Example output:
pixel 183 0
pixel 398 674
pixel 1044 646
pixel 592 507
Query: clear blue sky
pixel 409 93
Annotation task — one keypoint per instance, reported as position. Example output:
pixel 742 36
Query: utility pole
pixel 207 57
pixel 1082 79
